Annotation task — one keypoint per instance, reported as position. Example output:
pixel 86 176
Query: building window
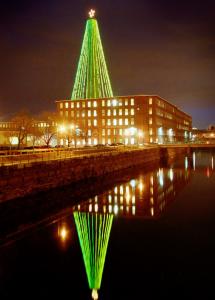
pixel 89 103
pixel 114 122
pixel 120 112
pixel 83 114
pixel 61 105
pixel 103 122
pixel 108 103
pixel 132 111
pixel 108 122
pixel 150 101
pixel 103 132
pixel 89 113
pixel 95 113
pixel 77 114
pixel 94 103
pixel 126 112
pixel 109 112
pixel 89 132
pixel 72 113
pixel 114 112
pixel 126 102
pixel 150 131
pixel 83 104
pixel 150 121
pixel 89 123
pixel 66 113
pixel 61 113
pixel 103 112
pixel 120 121
pixel 66 105
pixel 77 104
pixel 132 101
pixel 109 132
pixel 103 103
pixel 126 121
pixel 132 121
pixel 95 122
pixel 150 110
pixel 120 131
pixel 120 102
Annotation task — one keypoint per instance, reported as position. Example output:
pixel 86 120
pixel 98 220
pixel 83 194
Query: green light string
pixel 92 79
pixel 93 232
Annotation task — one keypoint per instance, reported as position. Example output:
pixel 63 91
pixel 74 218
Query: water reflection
pixel 144 197
pixel 93 231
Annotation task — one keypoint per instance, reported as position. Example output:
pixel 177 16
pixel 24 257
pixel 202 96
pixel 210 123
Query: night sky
pixel 162 47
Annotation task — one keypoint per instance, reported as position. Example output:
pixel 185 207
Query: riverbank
pixel 29 178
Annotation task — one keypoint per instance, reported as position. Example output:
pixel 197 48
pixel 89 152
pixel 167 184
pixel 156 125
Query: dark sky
pixel 162 47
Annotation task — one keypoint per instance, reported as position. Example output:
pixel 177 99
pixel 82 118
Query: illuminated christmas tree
pixel 92 79
pixel 93 232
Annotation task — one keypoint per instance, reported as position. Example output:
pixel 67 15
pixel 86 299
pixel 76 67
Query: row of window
pixel 94 103
pixel 94 113
pixel 111 122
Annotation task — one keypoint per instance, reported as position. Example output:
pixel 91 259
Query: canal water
pixel 141 234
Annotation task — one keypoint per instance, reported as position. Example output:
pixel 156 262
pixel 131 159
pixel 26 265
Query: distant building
pixel 127 119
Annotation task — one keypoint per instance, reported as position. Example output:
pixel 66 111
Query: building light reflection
pixel 194 161
pixel 116 209
pixel 186 162
pixel 171 175
pixel 212 163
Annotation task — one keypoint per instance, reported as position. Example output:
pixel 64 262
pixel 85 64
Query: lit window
pixel 95 122
pixel 108 103
pixel 89 123
pixel 109 112
pixel 103 112
pixel 66 105
pixel 89 103
pixel 83 114
pixel 114 122
pixel 66 113
pixel 132 111
pixel 89 113
pixel 150 131
pixel 103 122
pixel 132 121
pixel 120 121
pixel 150 110
pixel 77 114
pixel 150 120
pixel 120 112
pixel 89 132
pixel 132 101
pixel 72 104
pixel 61 105
pixel 126 121
pixel 77 104
pixel 120 102
pixel 94 103
pixel 120 131
pixel 114 112
pixel 126 112
pixel 72 113
pixel 103 131
pixel 126 102
pixel 83 104
pixel 150 101
pixel 114 102
pixel 108 122
pixel 108 132
pixel 95 113
pixel 103 103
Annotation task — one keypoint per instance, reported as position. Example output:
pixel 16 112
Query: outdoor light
pixel 62 128
pixel 92 13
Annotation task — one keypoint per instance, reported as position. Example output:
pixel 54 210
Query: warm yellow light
pixel 62 128
pixel 63 233
pixel 92 13
pixel 95 295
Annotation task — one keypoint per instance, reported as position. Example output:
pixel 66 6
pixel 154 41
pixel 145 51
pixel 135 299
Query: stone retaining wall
pixel 25 179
